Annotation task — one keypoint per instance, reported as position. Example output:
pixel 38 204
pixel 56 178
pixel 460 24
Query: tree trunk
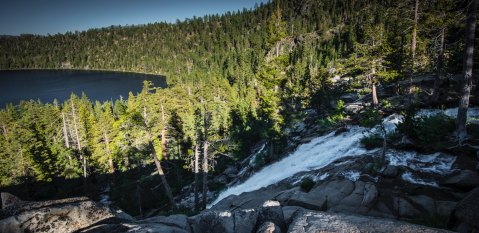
pixel 205 158
pixel 24 171
pixel 65 137
pixel 4 130
pixel 440 58
pixel 84 167
pixel 374 94
pixel 414 31
pixel 65 134
pixel 197 180
pixel 413 45
pixel 401 54
pixel 164 154
pixel 77 135
pixel 385 143
pixel 138 198
pixel 169 194
pixel 108 152
pixel 166 186
pixel 205 173
pixel 461 132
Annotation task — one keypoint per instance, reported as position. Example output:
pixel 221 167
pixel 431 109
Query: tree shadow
pixel 137 191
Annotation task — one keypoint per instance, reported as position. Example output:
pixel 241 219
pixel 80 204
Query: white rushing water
pixel 318 153
pixel 323 150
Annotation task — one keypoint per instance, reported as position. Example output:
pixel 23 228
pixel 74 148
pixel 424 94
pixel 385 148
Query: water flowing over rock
pixel 318 153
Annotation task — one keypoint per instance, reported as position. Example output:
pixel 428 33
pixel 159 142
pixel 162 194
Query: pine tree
pixel 461 132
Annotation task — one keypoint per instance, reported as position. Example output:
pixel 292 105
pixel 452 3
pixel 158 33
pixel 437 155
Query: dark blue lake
pixel 48 85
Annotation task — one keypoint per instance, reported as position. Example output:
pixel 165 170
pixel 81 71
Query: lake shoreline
pixel 50 84
pixel 79 69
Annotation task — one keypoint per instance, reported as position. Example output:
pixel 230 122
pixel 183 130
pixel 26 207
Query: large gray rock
pixel 150 228
pixel 370 194
pixel 390 171
pixel 337 195
pixel 271 211
pixel 245 220
pixel 354 108
pixel 9 200
pixel 213 221
pixel 231 172
pixel 404 208
pixel 165 224
pixel 354 200
pixel 324 196
pixel 349 97
pixel 359 201
pixel 69 215
pixel 289 212
pixel 249 200
pixel 425 202
pixel 310 221
pixel 466 212
pixel 465 179
pixel 306 200
pixel 445 208
pixel 177 220
pixel 268 227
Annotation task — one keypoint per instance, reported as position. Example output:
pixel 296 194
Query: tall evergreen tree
pixel 461 132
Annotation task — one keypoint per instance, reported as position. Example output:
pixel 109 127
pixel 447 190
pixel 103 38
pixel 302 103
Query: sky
pixel 59 16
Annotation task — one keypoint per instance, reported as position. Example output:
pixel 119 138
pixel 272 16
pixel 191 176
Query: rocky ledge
pixel 83 215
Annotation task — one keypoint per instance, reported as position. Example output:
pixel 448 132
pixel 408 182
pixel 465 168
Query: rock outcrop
pixel 410 188
pixel 83 215
pixel 66 215
pixel 466 215
pixel 464 179
pixel 310 221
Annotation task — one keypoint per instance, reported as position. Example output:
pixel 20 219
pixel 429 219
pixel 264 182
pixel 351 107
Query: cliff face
pixel 83 215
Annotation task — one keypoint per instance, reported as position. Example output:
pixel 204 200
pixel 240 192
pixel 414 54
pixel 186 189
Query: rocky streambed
pixel 425 189
pixel 351 194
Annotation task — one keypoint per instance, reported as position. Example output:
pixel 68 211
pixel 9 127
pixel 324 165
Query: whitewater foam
pixel 316 154
pixel 323 150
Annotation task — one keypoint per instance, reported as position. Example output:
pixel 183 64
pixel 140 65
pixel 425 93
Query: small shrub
pixel 435 128
pixel 374 140
pixel 386 104
pixel 365 91
pixel 429 131
pixel 340 108
pixel 307 184
pixel 336 118
pixel 216 186
pixel 407 126
pixel 259 160
pixel 373 168
pixel 370 118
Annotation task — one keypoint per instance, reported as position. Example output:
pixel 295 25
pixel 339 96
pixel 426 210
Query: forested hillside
pixel 234 80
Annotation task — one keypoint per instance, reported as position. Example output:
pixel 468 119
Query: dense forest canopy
pixel 234 79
